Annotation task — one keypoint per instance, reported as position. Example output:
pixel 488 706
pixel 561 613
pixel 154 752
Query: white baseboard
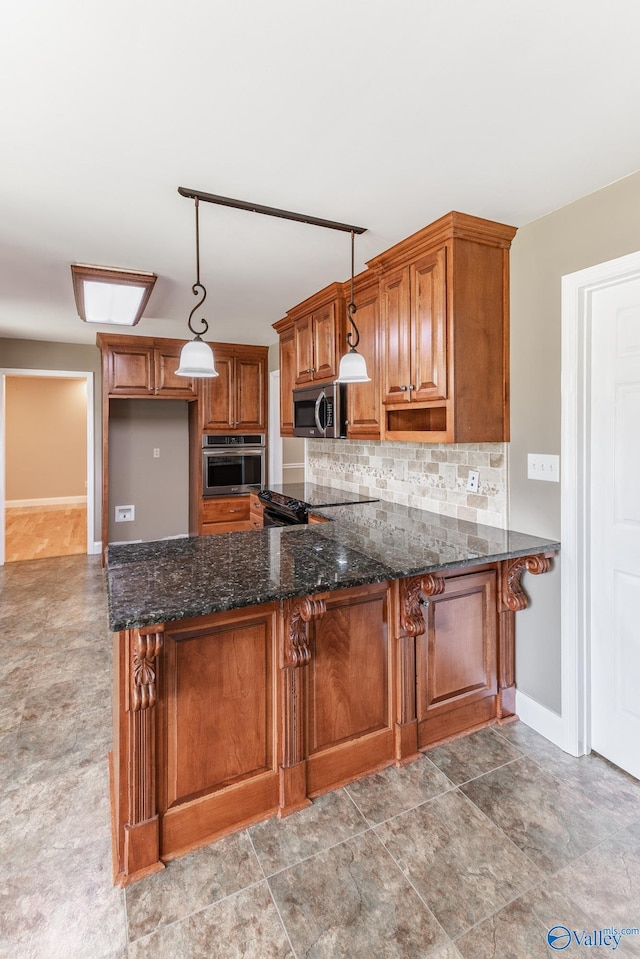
pixel 47 501
pixel 97 548
pixel 539 717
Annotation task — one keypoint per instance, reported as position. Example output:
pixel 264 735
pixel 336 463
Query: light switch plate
pixel 543 466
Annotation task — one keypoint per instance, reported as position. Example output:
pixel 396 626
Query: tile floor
pixel 474 851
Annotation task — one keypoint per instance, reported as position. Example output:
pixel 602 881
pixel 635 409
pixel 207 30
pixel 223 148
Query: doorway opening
pixel 47 484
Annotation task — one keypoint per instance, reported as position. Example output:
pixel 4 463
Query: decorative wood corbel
pixel 411 602
pixel 297 652
pixel 514 597
pixel 145 645
pixel 146 648
pixel 412 623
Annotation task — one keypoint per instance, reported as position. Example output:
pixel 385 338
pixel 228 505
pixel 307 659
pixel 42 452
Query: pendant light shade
pixel 353 366
pixel 196 357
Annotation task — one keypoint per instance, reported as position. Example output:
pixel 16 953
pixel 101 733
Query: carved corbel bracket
pixel 411 593
pixel 514 597
pixel 297 652
pixel 146 647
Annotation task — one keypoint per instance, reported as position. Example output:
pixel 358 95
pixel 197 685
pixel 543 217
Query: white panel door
pixel 615 523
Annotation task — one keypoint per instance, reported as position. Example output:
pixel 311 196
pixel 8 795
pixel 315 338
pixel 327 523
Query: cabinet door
pixel 325 366
pixel 303 338
pixel 217 397
pixel 349 692
pixel 130 371
pixel 287 380
pixel 363 399
pixel 394 323
pixel 219 764
pixel 456 659
pixel 429 328
pixel 250 413
pixel 166 363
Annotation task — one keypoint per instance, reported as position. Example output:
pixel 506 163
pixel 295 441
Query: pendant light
pixel 353 366
pixel 196 357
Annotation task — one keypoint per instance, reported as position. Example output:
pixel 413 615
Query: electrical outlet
pixel 473 481
pixel 156 453
pixel 543 466
pixel 125 514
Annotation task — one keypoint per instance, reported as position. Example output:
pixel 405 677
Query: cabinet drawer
pixel 225 509
pixel 210 528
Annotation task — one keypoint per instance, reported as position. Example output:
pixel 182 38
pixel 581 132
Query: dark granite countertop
pixel 176 579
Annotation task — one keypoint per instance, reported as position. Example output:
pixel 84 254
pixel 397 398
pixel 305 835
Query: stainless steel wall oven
pixel 232 463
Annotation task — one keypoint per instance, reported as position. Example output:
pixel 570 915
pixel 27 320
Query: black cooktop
pixel 311 495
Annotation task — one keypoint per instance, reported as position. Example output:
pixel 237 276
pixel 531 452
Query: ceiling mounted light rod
pixel 196 357
pixel 269 210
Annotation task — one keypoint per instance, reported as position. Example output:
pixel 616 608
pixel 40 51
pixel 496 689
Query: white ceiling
pixel 382 113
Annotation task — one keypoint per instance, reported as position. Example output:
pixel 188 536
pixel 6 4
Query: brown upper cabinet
pixel 285 330
pixel 433 317
pixel 444 318
pixel 414 325
pixel 143 366
pixel 318 333
pixel 236 400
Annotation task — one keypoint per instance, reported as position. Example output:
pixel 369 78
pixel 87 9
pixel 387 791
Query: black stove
pixel 289 505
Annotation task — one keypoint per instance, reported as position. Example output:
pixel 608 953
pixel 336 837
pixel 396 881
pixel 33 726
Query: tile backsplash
pixel 427 475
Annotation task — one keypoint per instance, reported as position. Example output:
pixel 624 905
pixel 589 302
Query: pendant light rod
pixel 198 288
pixel 352 339
pixel 268 210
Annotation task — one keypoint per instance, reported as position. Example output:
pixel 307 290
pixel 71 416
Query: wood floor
pixel 36 532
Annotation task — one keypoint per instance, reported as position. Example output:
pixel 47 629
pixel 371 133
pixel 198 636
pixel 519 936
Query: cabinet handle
pixel 411 387
pixel 234 510
pixel 403 389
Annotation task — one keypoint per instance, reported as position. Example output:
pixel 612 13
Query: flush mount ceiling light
pixel 109 295
pixel 353 368
pixel 196 357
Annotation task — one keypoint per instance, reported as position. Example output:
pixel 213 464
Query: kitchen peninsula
pixel 256 670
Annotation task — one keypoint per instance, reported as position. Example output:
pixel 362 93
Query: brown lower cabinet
pixel 227 719
pixel 225 514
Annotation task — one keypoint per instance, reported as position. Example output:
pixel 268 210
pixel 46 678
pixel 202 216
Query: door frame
pixel 577 293
pixel 91 491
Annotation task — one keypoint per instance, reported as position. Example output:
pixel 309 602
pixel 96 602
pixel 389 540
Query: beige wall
pixel 157 487
pixel 37 355
pixel 46 437
pixel 596 228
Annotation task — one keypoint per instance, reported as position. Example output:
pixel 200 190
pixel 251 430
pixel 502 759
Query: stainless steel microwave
pixel 320 410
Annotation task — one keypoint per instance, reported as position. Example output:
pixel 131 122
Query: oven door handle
pixel 322 397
